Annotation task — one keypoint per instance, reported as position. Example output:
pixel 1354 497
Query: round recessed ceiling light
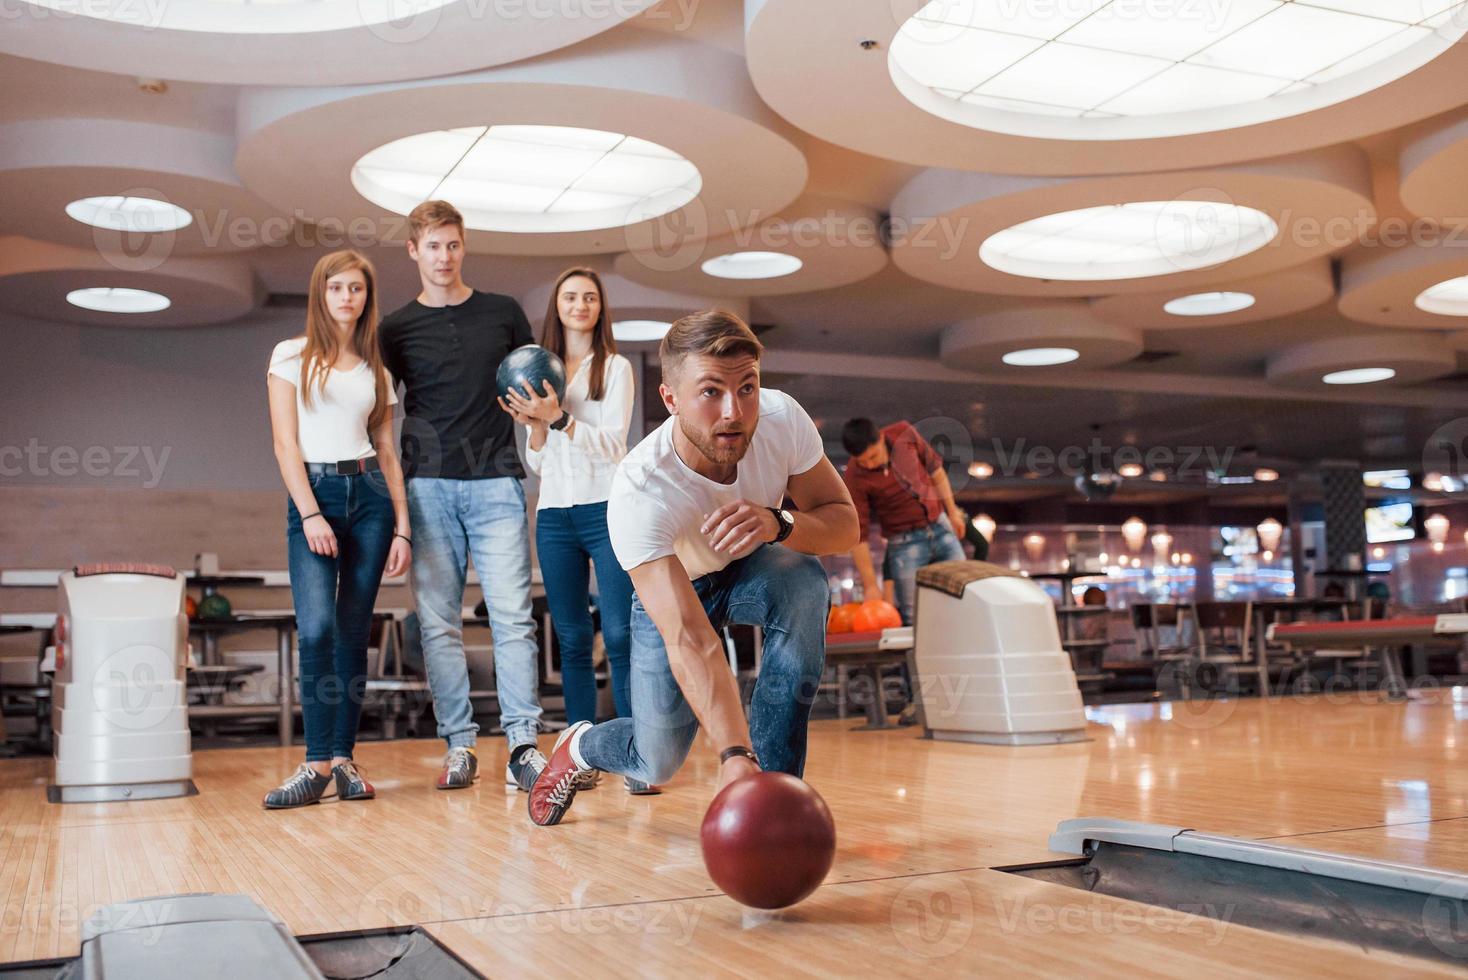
pixel 1041 356
pixel 640 331
pixel 1447 298
pixel 530 179
pixel 107 299
pixel 1208 304
pixel 1266 475
pixel 1130 470
pixel 272 17
pixel 752 265
pixel 132 214
pixel 1092 69
pixel 1128 241
pixel 1359 376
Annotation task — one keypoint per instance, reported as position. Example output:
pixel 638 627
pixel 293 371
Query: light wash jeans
pixel 780 590
pixel 452 521
pixel 911 550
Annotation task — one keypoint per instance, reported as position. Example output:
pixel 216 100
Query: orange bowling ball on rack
pixel 839 621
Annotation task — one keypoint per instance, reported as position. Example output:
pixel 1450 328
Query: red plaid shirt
pixel 902 497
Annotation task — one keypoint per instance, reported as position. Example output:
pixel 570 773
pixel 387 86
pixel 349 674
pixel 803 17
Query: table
pixel 1383 634
pixel 285 629
pixel 210 584
pixel 869 652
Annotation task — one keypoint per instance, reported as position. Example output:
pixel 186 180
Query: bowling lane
pixel 903 807
pixel 1433 843
pixel 967 923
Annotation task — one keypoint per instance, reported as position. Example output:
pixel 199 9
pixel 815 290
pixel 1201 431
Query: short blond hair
pixel 712 333
pixel 430 215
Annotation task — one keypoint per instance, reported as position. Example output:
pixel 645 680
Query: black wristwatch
pixel 561 422
pixel 786 520
pixel 734 750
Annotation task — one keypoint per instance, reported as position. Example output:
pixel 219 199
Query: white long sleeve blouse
pixel 577 469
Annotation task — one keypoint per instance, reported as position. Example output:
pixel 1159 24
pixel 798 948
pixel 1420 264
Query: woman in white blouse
pixel 347 515
pixel 575 448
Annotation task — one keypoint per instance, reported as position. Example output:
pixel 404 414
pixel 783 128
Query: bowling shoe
pixel 459 768
pixel 555 788
pixel 351 783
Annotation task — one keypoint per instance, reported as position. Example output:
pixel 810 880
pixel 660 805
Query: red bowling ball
pixel 768 840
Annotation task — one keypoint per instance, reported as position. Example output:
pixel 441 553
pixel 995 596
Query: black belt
pixel 344 467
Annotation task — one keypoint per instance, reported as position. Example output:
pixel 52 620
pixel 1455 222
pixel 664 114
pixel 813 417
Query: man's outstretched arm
pixel 696 656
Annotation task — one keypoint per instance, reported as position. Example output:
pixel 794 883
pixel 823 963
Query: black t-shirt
pixel 447 356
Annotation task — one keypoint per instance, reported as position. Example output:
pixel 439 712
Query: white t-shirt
pixel 577 469
pixel 658 503
pixel 334 427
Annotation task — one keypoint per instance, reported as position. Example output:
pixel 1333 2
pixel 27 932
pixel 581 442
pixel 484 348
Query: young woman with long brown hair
pixel 575 448
pixel 347 518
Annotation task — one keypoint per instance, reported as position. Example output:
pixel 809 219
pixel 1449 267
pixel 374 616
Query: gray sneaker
pixel 522 774
pixel 303 788
pixel 637 787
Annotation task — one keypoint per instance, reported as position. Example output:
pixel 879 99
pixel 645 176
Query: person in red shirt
pixel 896 477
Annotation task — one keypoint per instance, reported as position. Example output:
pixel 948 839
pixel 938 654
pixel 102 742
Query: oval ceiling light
pixel 1266 475
pixel 1128 241
pixel 1041 356
pixel 640 331
pixel 276 17
pixel 1447 298
pixel 132 214
pixel 1208 304
pixel 107 299
pixel 1359 376
pixel 752 265
pixel 530 179
pixel 1095 70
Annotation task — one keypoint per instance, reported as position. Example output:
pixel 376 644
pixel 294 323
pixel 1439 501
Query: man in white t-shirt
pixel 696 517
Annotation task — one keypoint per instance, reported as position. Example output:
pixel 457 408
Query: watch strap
pixel 734 750
pixel 787 526
pixel 561 422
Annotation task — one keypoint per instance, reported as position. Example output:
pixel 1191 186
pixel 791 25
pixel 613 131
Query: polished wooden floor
pixel 619 888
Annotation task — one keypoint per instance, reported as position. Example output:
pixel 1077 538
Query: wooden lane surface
pixel 903 806
pixel 949 924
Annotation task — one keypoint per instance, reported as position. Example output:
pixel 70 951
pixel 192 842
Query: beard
pixel 716 450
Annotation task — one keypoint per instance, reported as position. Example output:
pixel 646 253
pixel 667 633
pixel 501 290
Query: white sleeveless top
pixel 334 427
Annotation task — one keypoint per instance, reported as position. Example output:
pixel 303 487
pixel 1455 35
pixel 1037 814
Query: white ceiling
pixel 801 131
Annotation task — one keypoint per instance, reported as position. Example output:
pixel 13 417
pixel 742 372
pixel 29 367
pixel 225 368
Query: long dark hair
pixel 603 344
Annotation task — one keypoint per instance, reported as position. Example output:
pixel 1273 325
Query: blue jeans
pixel 567 540
pixel 452 520
pixel 780 590
pixel 333 598
pixel 911 550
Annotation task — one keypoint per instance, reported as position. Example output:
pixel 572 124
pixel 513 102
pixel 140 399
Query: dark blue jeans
pixel 783 592
pixel 333 599
pixel 569 540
